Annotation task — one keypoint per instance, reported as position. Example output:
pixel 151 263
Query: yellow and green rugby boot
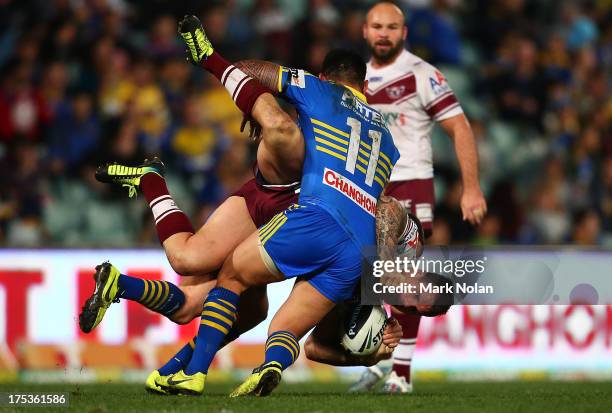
pixel 105 293
pixel 261 382
pixel 193 34
pixel 181 383
pixel 129 176
pixel 151 384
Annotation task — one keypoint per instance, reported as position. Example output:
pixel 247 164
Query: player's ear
pixel 405 32
pixel 365 85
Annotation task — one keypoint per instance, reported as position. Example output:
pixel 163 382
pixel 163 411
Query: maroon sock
pixel 402 356
pixel 243 89
pixel 169 219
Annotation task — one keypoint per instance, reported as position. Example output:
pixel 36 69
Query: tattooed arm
pixel 390 223
pixel 265 72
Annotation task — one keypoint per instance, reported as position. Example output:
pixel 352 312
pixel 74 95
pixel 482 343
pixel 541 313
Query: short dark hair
pixel 344 65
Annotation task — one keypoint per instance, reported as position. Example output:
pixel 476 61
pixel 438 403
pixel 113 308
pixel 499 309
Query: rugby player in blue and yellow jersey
pixel 348 154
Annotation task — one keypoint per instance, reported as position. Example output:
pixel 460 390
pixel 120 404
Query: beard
pixel 385 56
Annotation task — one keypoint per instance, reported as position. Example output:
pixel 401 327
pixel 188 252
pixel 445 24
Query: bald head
pixel 385 8
pixel 385 32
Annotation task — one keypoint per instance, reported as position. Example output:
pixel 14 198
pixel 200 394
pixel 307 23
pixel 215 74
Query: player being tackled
pixel 332 221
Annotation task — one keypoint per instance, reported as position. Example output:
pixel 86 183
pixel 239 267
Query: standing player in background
pixel 412 94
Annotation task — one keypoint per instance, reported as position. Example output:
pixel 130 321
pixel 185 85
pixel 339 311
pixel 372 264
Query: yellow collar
pixel 357 93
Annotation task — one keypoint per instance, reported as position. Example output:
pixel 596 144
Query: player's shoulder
pixel 302 89
pixel 429 79
pixel 299 78
pixel 421 68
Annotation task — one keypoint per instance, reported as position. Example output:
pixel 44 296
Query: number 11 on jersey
pixel 353 151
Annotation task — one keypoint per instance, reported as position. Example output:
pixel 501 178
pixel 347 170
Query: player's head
pixel 384 31
pixel 346 67
pixel 430 304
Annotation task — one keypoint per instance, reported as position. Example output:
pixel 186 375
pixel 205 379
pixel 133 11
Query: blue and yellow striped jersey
pixel 349 150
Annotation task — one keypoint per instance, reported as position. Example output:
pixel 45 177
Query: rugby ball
pixel 363 329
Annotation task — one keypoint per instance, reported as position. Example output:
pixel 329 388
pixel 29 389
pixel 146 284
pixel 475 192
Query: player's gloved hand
pixel 392 333
pixel 254 128
pixel 193 34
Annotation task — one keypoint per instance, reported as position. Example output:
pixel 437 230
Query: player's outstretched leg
pixel 190 254
pixel 218 317
pixel 243 89
pixel 110 286
pixel 149 178
pixel 304 308
pixel 253 309
pixel 243 269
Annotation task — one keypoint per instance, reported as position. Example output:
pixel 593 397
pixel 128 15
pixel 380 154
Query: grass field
pixel 331 397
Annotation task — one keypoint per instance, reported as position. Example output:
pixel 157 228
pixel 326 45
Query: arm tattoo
pixel 390 222
pixel 265 72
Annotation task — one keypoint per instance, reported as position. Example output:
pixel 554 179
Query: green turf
pixel 452 397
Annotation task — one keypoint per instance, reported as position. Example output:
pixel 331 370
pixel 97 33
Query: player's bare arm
pixel 281 138
pixel 281 151
pixel 473 204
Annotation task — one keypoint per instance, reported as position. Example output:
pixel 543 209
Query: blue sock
pixel 283 348
pixel 130 288
pixel 179 360
pixel 218 317
pixel 159 296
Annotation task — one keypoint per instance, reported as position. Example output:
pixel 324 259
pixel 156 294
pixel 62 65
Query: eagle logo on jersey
pixel 395 92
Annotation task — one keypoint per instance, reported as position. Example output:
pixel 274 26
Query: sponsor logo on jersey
pixel 352 191
pixel 376 79
pixel 351 102
pixel 438 85
pixel 395 92
pixel 298 78
pixel 395 119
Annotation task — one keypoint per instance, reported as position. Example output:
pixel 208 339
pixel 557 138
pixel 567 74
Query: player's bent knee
pixel 178 262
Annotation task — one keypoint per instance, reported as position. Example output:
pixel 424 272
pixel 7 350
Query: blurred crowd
pixel 85 82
